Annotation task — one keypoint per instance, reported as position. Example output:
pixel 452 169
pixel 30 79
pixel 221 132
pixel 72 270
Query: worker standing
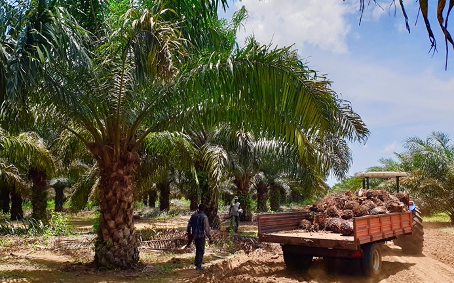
pixel 235 212
pixel 198 227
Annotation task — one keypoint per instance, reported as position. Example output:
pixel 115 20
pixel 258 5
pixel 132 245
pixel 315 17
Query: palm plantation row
pixel 131 94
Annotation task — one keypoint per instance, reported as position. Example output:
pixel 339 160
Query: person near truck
pixel 234 212
pixel 198 228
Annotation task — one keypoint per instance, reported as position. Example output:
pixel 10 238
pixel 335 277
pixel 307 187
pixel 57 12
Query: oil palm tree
pixel 281 168
pixel 142 80
pixel 164 156
pixel 431 166
pixel 27 158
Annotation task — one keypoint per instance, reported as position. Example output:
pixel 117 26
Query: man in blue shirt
pixel 198 227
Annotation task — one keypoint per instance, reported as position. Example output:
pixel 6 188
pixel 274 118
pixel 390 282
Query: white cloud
pixel 397 89
pixel 390 147
pixel 287 22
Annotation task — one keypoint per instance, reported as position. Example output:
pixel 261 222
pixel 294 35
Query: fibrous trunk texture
pixel 164 196
pixel 5 199
pixel 39 194
pixel 59 198
pixel 242 186
pixel 16 205
pixel 210 198
pixel 117 243
pixel 275 195
pixel 152 196
pixel 262 194
pixel 193 199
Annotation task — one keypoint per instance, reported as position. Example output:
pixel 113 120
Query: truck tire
pixel 371 262
pixel 413 244
pixel 297 262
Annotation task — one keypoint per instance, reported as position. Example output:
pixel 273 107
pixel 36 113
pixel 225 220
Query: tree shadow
pixel 340 270
pixel 47 270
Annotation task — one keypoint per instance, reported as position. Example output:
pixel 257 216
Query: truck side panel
pixel 275 222
pixel 375 228
pixel 283 228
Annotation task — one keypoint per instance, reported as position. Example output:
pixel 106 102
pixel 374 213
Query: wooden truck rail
pixel 283 228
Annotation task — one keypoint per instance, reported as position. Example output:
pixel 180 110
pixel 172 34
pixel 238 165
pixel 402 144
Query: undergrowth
pixel 58 226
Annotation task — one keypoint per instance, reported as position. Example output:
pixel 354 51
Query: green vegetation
pixel 249 234
pixel 138 93
pixel 437 217
pixel 58 225
pixel 6 242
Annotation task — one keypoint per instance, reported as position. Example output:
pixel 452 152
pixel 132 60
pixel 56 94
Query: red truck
pixel 369 232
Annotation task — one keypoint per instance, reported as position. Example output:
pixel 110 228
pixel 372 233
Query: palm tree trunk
pixel 262 194
pixel 193 205
pixel 275 196
pixel 194 200
pixel 164 195
pixel 242 185
pixel 59 198
pixel 117 245
pixel 211 211
pixel 16 205
pixel 5 199
pixel 152 196
pixel 210 199
pixel 39 194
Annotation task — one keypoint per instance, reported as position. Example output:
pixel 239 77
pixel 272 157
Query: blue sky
pixel 399 89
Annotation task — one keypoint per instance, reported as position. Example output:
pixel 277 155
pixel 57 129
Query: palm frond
pixel 10 176
pixel 82 190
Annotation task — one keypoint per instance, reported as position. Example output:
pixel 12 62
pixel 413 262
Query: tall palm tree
pixel 164 156
pixel 281 168
pixel 431 163
pixel 142 80
pixel 244 162
pixel 26 156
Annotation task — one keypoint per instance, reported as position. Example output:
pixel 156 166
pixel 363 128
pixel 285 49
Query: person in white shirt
pixel 235 212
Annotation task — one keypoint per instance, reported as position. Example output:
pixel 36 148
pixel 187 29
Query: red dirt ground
pixel 67 259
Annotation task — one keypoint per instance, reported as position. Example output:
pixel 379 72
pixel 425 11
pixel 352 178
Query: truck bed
pixel 283 228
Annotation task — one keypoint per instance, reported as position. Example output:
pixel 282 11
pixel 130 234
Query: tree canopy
pixel 137 70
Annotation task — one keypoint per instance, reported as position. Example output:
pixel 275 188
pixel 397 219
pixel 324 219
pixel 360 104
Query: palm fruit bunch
pixel 336 211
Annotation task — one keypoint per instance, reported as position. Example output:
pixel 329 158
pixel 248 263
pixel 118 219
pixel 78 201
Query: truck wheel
pixel 371 261
pixel 413 244
pixel 297 262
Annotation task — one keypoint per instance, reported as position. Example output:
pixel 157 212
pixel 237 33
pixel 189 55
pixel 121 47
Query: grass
pixel 5 242
pixel 440 217
pixel 437 217
pixel 249 234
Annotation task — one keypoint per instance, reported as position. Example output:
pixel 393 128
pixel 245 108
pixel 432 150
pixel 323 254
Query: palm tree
pixel 26 153
pixel 431 163
pixel 243 162
pixel 142 81
pixel 280 168
pixel 164 156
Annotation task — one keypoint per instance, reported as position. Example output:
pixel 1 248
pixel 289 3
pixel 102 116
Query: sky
pixel 393 81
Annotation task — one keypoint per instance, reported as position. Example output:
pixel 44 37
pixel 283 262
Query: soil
pixel 68 259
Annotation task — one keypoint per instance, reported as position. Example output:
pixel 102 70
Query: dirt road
pixel 67 259
pixel 435 265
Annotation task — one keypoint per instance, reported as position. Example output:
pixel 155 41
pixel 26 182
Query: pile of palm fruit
pixel 335 212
